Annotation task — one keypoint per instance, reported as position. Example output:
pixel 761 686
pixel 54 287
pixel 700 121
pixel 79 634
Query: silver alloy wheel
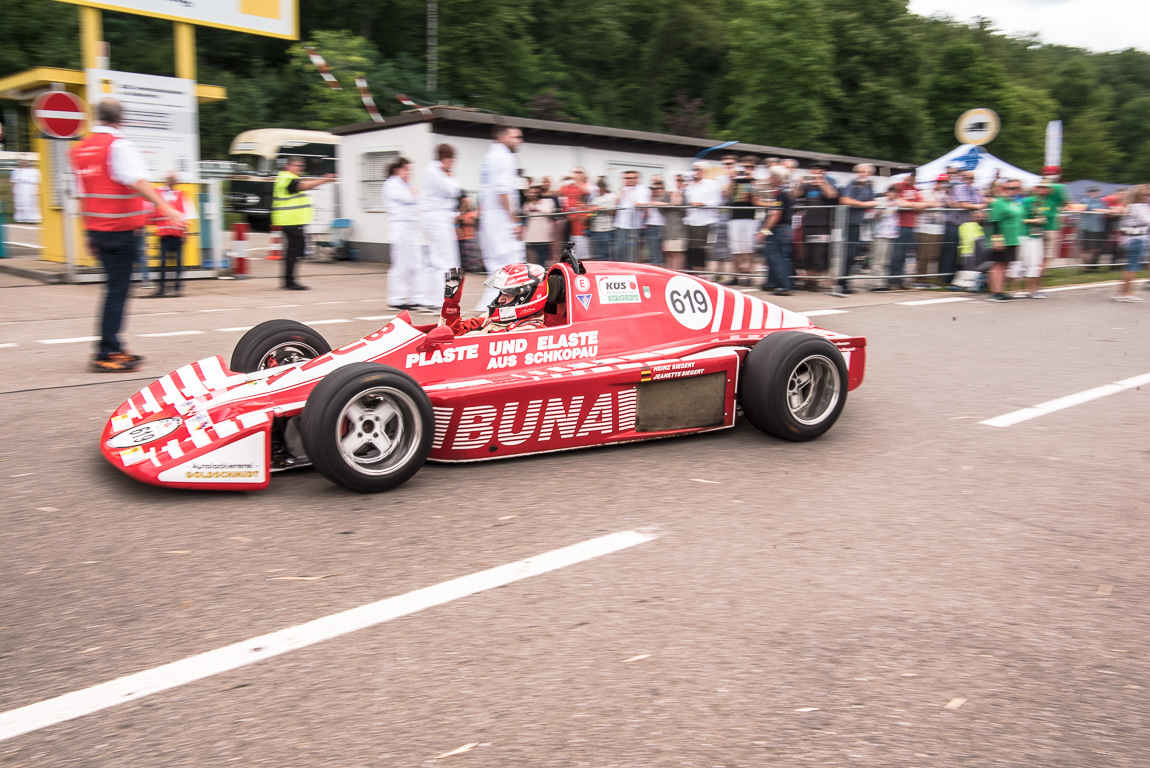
pixel 378 430
pixel 287 353
pixel 813 389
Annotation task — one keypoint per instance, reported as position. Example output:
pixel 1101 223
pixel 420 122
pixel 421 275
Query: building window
pixel 374 175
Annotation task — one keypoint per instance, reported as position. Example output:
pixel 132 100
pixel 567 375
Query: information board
pixel 160 117
pixel 273 18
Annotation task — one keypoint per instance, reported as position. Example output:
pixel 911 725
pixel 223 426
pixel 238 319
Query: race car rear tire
pixel 275 343
pixel 367 427
pixel 794 385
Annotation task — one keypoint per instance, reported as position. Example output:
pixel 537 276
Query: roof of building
pixel 469 122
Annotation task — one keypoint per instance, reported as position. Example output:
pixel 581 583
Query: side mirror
pixel 438 336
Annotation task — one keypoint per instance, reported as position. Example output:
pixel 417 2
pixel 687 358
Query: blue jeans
pixel 902 248
pixel 654 236
pixel 601 244
pixel 626 244
pixel 118 253
pixel 778 248
pixel 1134 248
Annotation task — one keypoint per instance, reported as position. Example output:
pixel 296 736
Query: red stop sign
pixel 60 115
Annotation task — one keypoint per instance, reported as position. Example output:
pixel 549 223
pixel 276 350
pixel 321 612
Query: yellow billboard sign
pixel 273 18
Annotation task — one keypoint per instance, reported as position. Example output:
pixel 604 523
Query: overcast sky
pixel 1097 25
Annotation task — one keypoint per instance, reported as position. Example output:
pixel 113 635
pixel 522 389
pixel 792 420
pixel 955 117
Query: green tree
pixel 1024 112
pixel 878 64
pixel 1088 150
pixel 312 103
pixel 484 51
pixel 781 80
pixel 964 78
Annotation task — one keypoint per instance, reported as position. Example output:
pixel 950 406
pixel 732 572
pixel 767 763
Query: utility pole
pixel 432 47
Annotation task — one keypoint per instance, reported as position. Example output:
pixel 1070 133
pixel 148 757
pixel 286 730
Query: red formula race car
pixel 627 352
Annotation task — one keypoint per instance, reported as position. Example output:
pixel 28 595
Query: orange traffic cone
pixel 275 245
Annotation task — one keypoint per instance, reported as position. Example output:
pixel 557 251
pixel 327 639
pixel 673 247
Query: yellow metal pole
pixel 185 35
pixel 91 34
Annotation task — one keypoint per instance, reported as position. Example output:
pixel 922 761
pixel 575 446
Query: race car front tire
pixel 275 343
pixel 794 385
pixel 367 427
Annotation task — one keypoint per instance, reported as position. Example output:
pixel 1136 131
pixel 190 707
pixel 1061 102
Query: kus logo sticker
pixel 584 299
pixel 619 289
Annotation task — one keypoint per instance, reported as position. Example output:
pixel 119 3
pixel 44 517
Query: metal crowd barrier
pixel 856 254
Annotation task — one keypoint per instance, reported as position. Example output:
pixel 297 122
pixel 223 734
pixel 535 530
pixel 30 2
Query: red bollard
pixel 239 246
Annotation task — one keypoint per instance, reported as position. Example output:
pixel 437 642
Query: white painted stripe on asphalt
pixel 169 333
pixel 224 309
pixel 70 706
pixel 1069 401
pixel 76 340
pixel 154 314
pixel 7 344
pixel 326 322
pixel 817 312
pixel 278 306
pixel 341 301
pixel 377 317
pixel 922 302
pixel 1088 285
pixel 237 328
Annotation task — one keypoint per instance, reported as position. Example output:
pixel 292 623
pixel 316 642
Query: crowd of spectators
pixel 772 224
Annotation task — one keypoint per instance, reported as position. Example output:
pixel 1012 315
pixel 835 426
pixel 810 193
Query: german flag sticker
pixel 645 375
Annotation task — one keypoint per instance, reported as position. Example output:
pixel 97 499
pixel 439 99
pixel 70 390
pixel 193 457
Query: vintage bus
pixel 260 154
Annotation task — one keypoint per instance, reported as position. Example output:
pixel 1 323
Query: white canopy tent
pixel 984 165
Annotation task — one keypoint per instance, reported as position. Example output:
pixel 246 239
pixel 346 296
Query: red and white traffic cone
pixel 275 245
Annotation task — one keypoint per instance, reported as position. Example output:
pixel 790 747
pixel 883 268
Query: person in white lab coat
pixel 499 228
pixel 402 212
pixel 439 209
pixel 25 193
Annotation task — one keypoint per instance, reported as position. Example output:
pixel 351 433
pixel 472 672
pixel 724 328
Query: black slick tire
pixel 367 427
pixel 275 343
pixel 793 386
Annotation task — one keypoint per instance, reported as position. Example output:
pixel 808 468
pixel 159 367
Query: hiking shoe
pixel 112 365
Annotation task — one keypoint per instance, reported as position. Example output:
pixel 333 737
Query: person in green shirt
pixel 1006 223
pixel 1030 258
pixel 1050 199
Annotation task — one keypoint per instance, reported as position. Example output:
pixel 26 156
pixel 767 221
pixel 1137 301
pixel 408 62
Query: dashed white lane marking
pixel 278 306
pixel 88 700
pixel 154 314
pixel 7 344
pixel 75 340
pixel 341 301
pixel 817 312
pixel 377 317
pixel 224 309
pixel 1061 403
pixel 327 322
pixel 923 302
pixel 169 333
pixel 237 328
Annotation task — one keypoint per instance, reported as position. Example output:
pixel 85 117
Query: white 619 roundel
pixel 689 303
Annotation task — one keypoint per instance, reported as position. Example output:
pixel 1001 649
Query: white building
pixel 549 149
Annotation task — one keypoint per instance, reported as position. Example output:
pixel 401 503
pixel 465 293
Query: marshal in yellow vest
pixel 288 209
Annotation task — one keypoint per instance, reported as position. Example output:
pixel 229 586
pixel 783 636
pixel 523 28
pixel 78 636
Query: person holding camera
pixel 816 195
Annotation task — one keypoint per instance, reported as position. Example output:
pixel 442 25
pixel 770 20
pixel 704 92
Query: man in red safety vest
pixel 112 178
pixel 171 236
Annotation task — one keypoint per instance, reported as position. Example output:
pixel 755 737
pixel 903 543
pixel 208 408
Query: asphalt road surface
pixel 916 588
